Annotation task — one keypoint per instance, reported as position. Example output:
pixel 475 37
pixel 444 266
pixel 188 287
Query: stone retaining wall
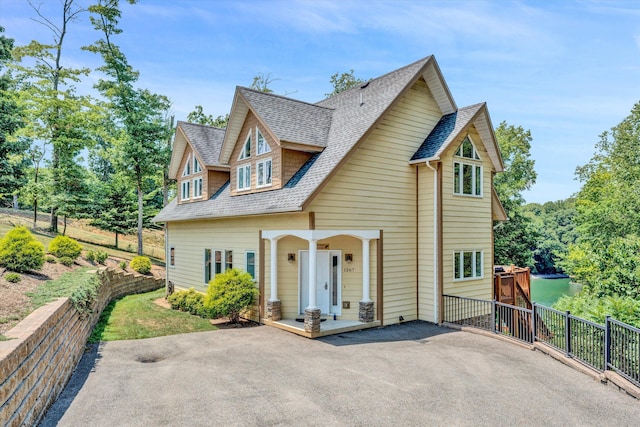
pixel 45 347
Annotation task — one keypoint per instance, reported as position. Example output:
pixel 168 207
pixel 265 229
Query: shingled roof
pixel 289 119
pixel 206 140
pixel 445 131
pixel 346 118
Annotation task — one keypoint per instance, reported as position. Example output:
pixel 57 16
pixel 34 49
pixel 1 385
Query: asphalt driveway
pixel 404 375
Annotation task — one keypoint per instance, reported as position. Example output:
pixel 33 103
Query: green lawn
pixel 137 316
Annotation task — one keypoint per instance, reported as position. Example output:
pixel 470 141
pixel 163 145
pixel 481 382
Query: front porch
pixel 328 326
pixel 308 291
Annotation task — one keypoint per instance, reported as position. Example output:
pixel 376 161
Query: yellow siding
pixel 425 244
pixel 191 238
pixel 467 225
pixel 376 189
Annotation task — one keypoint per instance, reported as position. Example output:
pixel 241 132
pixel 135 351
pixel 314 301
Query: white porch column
pixel 274 270
pixel 313 246
pixel 366 266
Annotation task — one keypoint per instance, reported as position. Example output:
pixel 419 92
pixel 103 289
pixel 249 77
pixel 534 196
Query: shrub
pixel 50 259
pixel 190 301
pixel 90 256
pixel 141 264
pixel 230 293
pixel 101 257
pixel 123 265
pixel 20 251
pixel 64 246
pixel 67 261
pixel 12 277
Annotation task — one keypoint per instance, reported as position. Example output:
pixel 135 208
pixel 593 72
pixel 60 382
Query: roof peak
pixel 275 95
pixel 199 124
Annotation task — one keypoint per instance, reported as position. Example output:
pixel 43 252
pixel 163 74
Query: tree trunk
pixel 53 226
pixel 140 217
pixel 64 230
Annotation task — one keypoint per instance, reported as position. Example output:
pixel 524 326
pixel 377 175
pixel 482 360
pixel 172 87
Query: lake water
pixel 548 291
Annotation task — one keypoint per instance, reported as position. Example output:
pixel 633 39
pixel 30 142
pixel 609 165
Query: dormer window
pixel 244 177
pixel 246 149
pixel 262 145
pixel 264 173
pixel 467 175
pixel 187 167
pixel 196 165
pixel 467 150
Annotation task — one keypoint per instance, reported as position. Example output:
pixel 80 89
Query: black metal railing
pixel 614 346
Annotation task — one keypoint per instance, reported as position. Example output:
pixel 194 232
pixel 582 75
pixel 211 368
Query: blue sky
pixel 566 70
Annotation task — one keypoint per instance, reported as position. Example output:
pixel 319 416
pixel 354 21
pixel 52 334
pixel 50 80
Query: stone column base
pixel 365 313
pixel 274 310
pixel 312 320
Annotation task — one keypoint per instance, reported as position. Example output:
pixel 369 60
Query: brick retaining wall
pixel 45 347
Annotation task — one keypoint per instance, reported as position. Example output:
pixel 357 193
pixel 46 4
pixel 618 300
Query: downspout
pixel 166 258
pixel 436 297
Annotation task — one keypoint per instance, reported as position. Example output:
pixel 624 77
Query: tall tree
pixel 54 111
pixel 606 257
pixel 13 161
pixel 516 238
pixel 342 82
pixel 118 212
pixel 140 113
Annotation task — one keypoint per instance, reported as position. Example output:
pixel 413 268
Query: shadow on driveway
pixel 408 331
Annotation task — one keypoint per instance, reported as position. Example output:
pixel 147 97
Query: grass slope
pixel 137 316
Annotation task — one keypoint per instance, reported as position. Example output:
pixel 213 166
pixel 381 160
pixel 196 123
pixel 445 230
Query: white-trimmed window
pixel 250 263
pixel 245 153
pixel 467 179
pixel 263 174
pixel 228 260
pixel 217 261
pixel 197 187
pixel 244 177
pixel 187 167
pixel 172 256
pixel 185 191
pixel 467 176
pixel 467 149
pixel 196 165
pixel 467 265
pixel 207 265
pixel 261 143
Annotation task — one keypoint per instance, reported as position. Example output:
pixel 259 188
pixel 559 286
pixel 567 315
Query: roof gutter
pixel 426 161
pixel 230 215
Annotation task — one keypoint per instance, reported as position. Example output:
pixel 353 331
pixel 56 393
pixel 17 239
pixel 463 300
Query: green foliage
pixel 198 116
pixel 65 247
pixel 515 239
pixel 123 265
pixel 141 264
pixel 84 297
pixel 190 301
pixel 118 212
pixel 555 222
pixel 50 259
pixel 595 309
pixel 13 162
pixel 12 277
pixel 90 256
pixel 342 82
pixel 230 294
pixel 101 257
pixel 67 261
pixel 20 251
pixel 63 286
pixel 139 129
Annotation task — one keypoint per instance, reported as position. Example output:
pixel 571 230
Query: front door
pixel 328 291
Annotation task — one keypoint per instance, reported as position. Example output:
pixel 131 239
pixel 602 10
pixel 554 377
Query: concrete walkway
pixel 414 374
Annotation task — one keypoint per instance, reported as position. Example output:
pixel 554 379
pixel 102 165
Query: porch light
pixel 291 257
pixel 348 257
